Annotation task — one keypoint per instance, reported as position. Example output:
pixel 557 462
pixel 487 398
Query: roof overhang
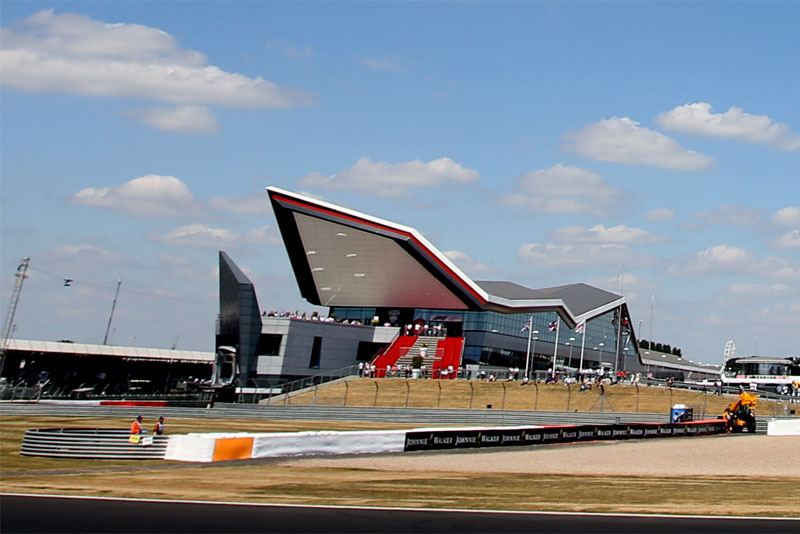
pixel 342 257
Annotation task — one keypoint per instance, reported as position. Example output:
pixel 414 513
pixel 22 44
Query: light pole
pixel 534 343
pixel 570 350
pixel 528 353
pixel 601 345
pixel 624 357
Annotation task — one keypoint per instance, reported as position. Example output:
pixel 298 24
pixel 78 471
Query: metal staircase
pixel 431 343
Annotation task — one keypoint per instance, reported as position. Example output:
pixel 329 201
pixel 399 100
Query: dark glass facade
pixel 498 339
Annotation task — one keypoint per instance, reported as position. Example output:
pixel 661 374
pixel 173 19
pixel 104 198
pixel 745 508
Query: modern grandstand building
pixel 391 295
pixel 382 281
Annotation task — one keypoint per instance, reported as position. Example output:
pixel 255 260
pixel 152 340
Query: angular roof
pixel 342 257
pixel 87 349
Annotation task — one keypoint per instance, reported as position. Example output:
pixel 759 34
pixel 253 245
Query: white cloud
pixel 90 253
pixel 202 235
pixel 715 260
pixel 564 189
pixel 550 255
pixel 256 203
pixel 619 234
pixel 392 179
pixel 82 262
pixel 659 214
pixel 76 54
pixel 697 119
pixel 152 195
pixel 467 264
pixel 196 120
pixel 788 240
pixel 622 140
pixel 264 235
pixel 393 63
pixel 751 289
pixel 789 216
pixel 198 235
pixel 292 51
pixel 731 215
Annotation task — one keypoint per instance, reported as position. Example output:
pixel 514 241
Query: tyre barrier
pixel 240 446
pixel 91 443
pixel 114 444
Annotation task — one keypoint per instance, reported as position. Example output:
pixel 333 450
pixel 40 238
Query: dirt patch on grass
pixel 726 455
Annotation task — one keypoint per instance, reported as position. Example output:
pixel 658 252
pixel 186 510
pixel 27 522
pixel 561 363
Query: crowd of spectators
pixel 314 316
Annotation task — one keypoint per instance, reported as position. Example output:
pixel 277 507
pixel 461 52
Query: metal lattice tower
pixel 12 310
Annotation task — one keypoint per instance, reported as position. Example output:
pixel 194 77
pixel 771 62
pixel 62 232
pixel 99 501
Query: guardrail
pixel 91 443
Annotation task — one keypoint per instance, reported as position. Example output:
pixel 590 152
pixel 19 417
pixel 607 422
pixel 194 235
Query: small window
pixel 316 352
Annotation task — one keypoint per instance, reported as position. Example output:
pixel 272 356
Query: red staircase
pixel 446 354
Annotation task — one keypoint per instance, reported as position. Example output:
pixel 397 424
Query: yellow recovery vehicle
pixel 739 415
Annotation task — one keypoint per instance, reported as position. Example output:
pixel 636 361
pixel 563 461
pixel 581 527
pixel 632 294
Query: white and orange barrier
pixel 217 447
pixel 783 427
pixel 241 446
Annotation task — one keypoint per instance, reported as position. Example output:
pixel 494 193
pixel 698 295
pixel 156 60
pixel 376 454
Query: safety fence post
pixel 471 394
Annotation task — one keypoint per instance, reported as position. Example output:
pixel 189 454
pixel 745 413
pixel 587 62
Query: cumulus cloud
pixel 788 240
pixel 789 216
pixel 392 179
pixel 751 289
pixel 195 120
pixel 83 261
pixel 551 255
pixel 290 50
pixel 392 63
pixel 659 214
pixel 619 234
pixel 152 195
pixel 76 54
pixel 622 140
pixel 715 260
pixel 729 214
pixel 202 235
pixel 467 264
pixel 564 189
pixel 92 252
pixel 256 203
pixel 698 120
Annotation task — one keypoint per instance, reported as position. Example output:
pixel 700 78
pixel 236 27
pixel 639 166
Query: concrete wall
pixel 338 349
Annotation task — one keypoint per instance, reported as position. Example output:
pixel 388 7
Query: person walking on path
pixel 159 428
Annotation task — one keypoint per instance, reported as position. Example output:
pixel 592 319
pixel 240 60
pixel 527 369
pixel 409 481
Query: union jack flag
pixel 579 329
pixel 527 325
pixel 552 326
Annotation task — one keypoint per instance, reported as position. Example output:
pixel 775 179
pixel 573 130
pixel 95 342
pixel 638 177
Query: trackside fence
pixel 92 443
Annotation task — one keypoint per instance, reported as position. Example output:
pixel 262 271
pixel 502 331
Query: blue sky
pixel 649 148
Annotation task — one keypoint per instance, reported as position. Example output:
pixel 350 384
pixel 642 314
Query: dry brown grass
pixel 290 481
pixel 466 394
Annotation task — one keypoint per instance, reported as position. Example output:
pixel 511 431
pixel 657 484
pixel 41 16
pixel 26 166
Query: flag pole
pixel 555 349
pixel 583 345
pixel 528 353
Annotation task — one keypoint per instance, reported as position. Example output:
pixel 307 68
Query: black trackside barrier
pixel 517 436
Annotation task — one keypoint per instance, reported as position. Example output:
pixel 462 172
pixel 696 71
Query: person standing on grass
pixel 159 428
pixel 136 426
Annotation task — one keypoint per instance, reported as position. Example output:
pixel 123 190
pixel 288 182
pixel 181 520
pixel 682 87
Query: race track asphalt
pixel 53 514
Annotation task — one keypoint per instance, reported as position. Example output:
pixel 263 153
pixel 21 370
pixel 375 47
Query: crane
pixel 20 275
